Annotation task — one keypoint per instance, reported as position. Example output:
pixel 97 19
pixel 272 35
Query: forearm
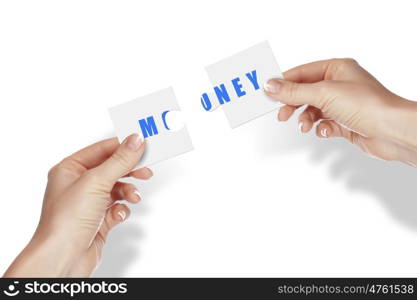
pixel 42 257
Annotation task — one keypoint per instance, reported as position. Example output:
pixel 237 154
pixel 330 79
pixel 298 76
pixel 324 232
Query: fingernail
pixel 133 142
pixel 138 194
pixel 300 126
pixel 149 172
pixel 122 215
pixel 324 132
pixel 272 86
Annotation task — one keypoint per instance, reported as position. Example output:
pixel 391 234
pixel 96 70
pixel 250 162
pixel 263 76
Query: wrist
pixel 401 129
pixel 44 256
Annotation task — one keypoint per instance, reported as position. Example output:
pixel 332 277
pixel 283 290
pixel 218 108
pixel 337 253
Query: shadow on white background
pixel 123 244
pixel 392 183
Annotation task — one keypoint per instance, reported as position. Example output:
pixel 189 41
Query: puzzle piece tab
pixel 238 84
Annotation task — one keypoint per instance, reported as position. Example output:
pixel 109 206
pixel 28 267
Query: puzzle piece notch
pixel 155 118
pixel 174 120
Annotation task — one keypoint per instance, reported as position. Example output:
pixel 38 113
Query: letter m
pixel 148 127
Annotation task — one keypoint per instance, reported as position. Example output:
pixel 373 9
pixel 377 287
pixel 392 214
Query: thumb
pixel 122 161
pixel 293 93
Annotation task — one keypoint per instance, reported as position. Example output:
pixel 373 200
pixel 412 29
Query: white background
pixel 259 200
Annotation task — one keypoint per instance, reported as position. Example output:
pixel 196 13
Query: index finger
pixel 308 73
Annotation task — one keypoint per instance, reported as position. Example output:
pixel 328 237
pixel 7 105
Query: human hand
pixel 350 103
pixel 80 209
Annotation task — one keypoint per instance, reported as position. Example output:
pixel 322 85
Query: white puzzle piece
pixel 155 118
pixel 238 84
